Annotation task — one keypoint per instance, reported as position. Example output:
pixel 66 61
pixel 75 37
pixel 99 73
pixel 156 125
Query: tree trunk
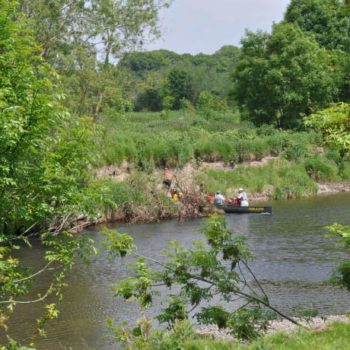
pixel 98 107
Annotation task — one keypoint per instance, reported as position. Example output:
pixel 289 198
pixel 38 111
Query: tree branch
pixel 34 274
pixel 29 301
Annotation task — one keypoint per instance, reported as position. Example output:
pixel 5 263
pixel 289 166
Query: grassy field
pixel 337 337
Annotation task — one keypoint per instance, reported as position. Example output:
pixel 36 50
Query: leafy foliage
pixel 82 39
pixel 324 18
pixel 342 274
pixel 280 77
pixel 151 73
pixel 44 170
pixel 216 267
pixel 178 87
pixel 45 162
pixel 334 123
pixel 143 337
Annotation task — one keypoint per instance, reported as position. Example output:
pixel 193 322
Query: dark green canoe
pixel 232 209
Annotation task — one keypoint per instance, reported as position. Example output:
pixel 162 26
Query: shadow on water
pixel 294 261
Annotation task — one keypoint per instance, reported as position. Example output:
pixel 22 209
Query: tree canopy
pixel 39 159
pixel 326 19
pixel 83 40
pixel 282 76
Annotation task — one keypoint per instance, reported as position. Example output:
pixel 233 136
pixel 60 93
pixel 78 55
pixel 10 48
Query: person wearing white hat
pixel 243 198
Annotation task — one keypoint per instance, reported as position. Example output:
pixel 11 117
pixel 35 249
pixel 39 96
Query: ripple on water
pixel 293 259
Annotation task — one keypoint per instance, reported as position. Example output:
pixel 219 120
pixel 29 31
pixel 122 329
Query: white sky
pixel 193 26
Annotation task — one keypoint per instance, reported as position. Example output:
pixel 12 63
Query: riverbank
pixel 155 204
pixel 215 154
pixel 328 336
pixel 141 197
pixel 316 324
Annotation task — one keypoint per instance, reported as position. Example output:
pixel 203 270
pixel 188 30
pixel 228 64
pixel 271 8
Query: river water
pixel 294 261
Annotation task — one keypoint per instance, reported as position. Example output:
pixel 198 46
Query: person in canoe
pixel 242 198
pixel 219 199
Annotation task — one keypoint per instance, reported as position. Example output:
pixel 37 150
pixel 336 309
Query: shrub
pixel 334 156
pixel 321 169
pixel 294 183
pixel 345 172
pixel 295 150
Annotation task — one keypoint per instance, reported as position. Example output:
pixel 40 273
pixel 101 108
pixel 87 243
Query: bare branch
pixel 34 274
pixel 48 292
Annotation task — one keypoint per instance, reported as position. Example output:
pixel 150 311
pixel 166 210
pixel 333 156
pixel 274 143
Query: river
pixel 294 261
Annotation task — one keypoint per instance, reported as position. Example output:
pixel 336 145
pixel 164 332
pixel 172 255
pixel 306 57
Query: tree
pixel 334 123
pixel 209 104
pixel 326 19
pixel 342 70
pixel 81 39
pixel 107 27
pixel 282 76
pixel 179 86
pixel 45 161
pixel 149 72
pixel 142 63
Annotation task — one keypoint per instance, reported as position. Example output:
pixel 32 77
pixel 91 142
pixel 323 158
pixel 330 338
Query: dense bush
pixel 345 171
pixel 321 169
pixel 293 182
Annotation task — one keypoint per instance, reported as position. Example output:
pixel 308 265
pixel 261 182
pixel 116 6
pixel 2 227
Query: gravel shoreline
pixel 314 323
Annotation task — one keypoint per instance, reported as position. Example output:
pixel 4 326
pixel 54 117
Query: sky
pixel 194 26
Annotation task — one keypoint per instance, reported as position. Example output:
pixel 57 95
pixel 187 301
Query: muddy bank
pixel 323 189
pixel 185 178
pixel 186 209
pixel 327 188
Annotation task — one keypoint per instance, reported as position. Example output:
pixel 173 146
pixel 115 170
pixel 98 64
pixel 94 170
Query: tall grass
pixel 158 140
pixel 286 180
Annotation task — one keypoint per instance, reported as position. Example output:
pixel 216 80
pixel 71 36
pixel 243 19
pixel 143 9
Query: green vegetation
pixel 195 274
pixel 302 66
pixel 334 124
pixel 216 267
pixel 152 140
pixel 164 79
pixel 73 98
pixel 284 180
pixel 47 153
pixel 342 273
pixel 337 336
pixel 175 138
pixel 282 76
pixel 44 170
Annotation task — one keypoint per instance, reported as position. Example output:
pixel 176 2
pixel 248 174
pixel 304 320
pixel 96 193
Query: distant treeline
pixel 166 80
pixel 301 67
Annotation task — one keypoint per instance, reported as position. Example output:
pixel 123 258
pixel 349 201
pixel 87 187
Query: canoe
pixel 232 209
